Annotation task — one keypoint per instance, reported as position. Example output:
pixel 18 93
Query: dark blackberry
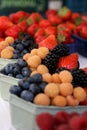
pixel 58 70
pixel 52 58
pixel 32 47
pixel 79 77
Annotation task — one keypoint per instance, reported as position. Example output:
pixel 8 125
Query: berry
pixel 24 83
pixel 52 58
pixel 16 69
pixel 21 63
pixel 8 68
pixel 36 78
pixel 42 86
pixel 19 76
pixel 63 127
pixel 15 90
pixel 69 62
pixel 79 77
pixel 26 95
pixel 19 47
pixel 26 72
pixel 58 70
pixel 34 88
pixel 61 117
pixel 45 121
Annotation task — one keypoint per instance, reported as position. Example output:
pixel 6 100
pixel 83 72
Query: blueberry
pixel 28 96
pixel 8 68
pixel 19 76
pixel 16 69
pixel 34 88
pixel 23 52
pixel 20 47
pixel 11 75
pixel 36 78
pixel 16 56
pixel 16 51
pixel 13 45
pixel 26 72
pixel 21 63
pixel 24 84
pixel 15 90
pixel 42 86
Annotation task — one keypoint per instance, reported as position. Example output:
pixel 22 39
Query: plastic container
pixel 5 83
pixel 72 47
pixel 77 6
pixel 23 113
pixel 4 62
pixel 81 45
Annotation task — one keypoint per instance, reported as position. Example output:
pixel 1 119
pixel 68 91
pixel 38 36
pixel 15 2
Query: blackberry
pixel 58 70
pixel 52 58
pixel 79 77
pixel 32 47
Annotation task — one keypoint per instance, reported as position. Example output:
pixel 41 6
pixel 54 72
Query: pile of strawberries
pixel 62 121
pixel 56 27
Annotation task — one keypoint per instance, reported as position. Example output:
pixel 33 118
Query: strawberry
pixel 55 20
pixel 85 69
pixel 51 30
pixel 50 42
pixel 69 62
pixel 65 13
pixel 1 39
pixel 51 12
pixel 45 121
pixel 40 32
pixel 5 23
pixel 23 25
pixel 18 16
pixel 44 23
pixel 34 18
pixel 32 29
pixel 75 16
pixel 39 39
pixel 1 33
pixel 13 31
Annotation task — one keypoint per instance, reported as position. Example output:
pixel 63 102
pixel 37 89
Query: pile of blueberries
pixel 21 47
pixel 28 88
pixel 17 70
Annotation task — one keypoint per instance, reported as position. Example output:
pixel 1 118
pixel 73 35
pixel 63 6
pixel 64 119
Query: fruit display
pixel 50 82
pixel 62 121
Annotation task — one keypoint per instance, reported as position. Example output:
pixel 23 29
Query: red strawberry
pixel 69 62
pixel 1 33
pixel 65 13
pixel 32 29
pixel 1 39
pixel 74 16
pixel 5 23
pixel 44 23
pixel 40 38
pixel 55 20
pixel 63 127
pixel 51 12
pixel 50 42
pixel 40 32
pixel 23 25
pixel 13 31
pixel 85 69
pixel 34 18
pixel 45 121
pixel 18 16
pixel 51 30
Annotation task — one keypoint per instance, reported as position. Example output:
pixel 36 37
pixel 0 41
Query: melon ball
pixel 47 77
pixel 6 54
pixel 66 89
pixel 34 52
pixel 56 78
pixel 9 40
pixel 42 52
pixel 66 76
pixel 26 56
pixel 51 90
pixel 34 61
pixel 79 93
pixel 10 48
pixel 3 45
pixel 42 99
pixel 42 69
pixel 71 101
pixel 34 72
pixel 59 101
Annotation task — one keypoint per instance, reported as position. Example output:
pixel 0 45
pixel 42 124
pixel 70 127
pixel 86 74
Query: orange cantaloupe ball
pixel 47 77
pixel 42 52
pixel 42 69
pixel 71 101
pixel 56 78
pixel 9 40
